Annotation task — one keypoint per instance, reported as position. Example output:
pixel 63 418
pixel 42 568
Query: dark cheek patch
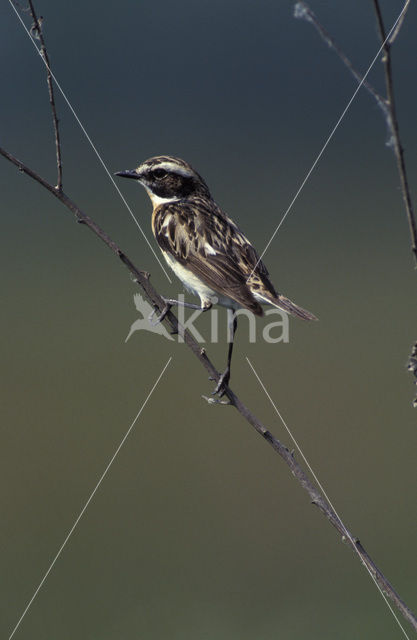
pixel 173 187
pixel 187 186
pixel 162 190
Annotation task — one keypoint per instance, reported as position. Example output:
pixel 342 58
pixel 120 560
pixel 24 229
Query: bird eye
pixel 159 173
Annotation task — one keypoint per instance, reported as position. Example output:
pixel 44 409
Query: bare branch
pixel 143 280
pixel 398 149
pixel 36 30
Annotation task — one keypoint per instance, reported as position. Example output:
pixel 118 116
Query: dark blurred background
pixel 199 530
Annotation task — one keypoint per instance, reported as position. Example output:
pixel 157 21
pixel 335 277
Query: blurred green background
pixel 199 530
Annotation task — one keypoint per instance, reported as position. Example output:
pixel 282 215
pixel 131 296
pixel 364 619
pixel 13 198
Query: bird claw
pixel 150 316
pixel 211 400
pixel 162 315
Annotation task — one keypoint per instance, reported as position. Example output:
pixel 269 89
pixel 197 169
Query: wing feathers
pixel 199 236
pixel 285 304
pixel 202 239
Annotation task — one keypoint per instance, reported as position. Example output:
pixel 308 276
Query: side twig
pixel 303 12
pixel 36 30
pixel 143 280
pixel 386 104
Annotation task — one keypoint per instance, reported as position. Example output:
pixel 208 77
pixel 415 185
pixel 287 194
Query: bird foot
pixel 211 400
pixel 161 317
pixel 171 303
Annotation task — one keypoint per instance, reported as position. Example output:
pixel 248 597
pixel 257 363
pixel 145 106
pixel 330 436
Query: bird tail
pixel 285 304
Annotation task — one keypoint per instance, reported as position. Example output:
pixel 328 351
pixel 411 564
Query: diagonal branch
pixel 143 280
pixel 36 30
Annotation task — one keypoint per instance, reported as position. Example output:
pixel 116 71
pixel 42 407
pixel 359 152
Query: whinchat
pixel 204 247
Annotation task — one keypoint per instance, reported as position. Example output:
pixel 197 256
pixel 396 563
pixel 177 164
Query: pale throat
pixel 157 200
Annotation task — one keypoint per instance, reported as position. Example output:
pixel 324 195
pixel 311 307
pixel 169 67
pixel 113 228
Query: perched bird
pixel 204 247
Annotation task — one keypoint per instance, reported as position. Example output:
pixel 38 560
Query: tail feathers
pixel 281 302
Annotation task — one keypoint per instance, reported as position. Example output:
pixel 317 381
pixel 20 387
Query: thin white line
pixel 90 141
pixel 325 495
pixel 327 141
pixel 88 501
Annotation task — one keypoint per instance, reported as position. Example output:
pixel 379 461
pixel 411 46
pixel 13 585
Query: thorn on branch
pixel 400 24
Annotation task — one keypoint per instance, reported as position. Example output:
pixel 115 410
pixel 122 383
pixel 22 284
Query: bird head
pixel 167 179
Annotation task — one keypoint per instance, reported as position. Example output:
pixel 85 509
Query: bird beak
pixel 130 173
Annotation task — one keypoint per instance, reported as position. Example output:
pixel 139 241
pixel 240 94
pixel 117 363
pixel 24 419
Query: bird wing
pixel 205 241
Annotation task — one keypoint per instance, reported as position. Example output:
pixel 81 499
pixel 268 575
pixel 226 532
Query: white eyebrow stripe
pixel 172 167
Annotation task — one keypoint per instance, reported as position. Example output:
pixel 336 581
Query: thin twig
pixel 37 30
pixel 399 152
pixel 303 11
pixel 387 105
pixel 142 278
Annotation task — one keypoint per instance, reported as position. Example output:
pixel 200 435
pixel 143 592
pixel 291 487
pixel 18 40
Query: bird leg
pixel 170 303
pixel 188 305
pixel 224 379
